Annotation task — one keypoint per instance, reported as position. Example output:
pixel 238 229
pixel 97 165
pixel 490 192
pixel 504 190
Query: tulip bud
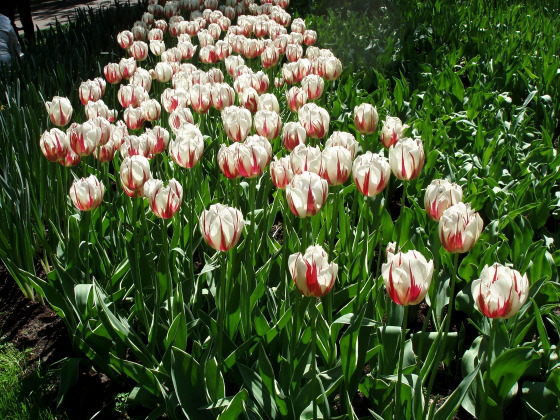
pixel 371 173
pixel 306 159
pixel 309 37
pixel 112 73
pixel 172 99
pixel 89 90
pixel 84 137
pixel 164 201
pixel 237 122
pixel 294 52
pixel 155 34
pixel 330 68
pixel 314 119
pixel 54 144
pixel 134 172
pixel 139 50
pixel 313 86
pixel 99 109
pixel 134 118
pixel 281 172
pixel 131 95
pixel 406 158
pixel 268 102
pixel 60 110
pixel 279 82
pixel 179 117
pixel 253 156
pixel 105 152
pixel 346 140
pixel 336 165
pixel 500 292
pixel 199 96
pixel 221 226
pixel 71 159
pixel 157 47
pixel 215 76
pixel 232 62
pixel 87 193
pixel 365 118
pixel 142 77
pixel 227 160
pixel 135 146
pixel 125 39
pixel 127 67
pixel 298 25
pixel 392 131
pixel 157 139
pixel 293 135
pixel 440 195
pixel 151 110
pixel 296 97
pixel 407 277
pixel 459 228
pixel 270 57
pixel 306 194
pixel 311 272
pixel 187 148
pixel 267 124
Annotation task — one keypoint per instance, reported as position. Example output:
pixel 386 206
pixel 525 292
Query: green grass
pixel 23 386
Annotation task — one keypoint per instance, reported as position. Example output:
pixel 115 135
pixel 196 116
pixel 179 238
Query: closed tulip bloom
pixel 392 131
pixel 260 82
pixel 163 72
pixel 268 102
pixel 161 23
pixel 270 57
pixel 228 160
pixel 407 277
pixel 249 99
pixel 89 91
pixel 87 193
pixel 187 148
pixel 187 50
pixel 223 50
pixel 304 68
pixel 290 72
pixel 330 68
pixel 298 25
pixel 215 76
pixel 125 39
pixel 221 226
pixel 155 34
pixel 366 118
pixel 344 139
pixel 237 122
pixel 459 228
pixel 312 273
pixel 207 54
pixel 71 159
pixel 371 173
pixel 131 95
pixel 296 97
pixel 500 292
pixel 105 152
pixel 281 172
pixel 134 172
pixel 112 73
pixel 267 124
pixel 293 135
pixel 440 195
pixel 279 82
pixel 315 120
pixel 281 43
pixel 84 137
pixel 54 144
pixel 406 158
pixel 172 99
pixel 200 100
pixel 135 146
pixel 134 118
pixel 222 96
pixel 106 129
pixel 336 165
pixel 232 62
pixel 179 117
pixel 127 67
pixel 253 156
pixel 143 78
pixel 306 159
pixel 294 52
pixel 164 201
pixel 139 50
pixel 60 110
pixel 157 139
pixel 157 47
pixel 119 132
pixel 313 86
pixel 151 110
pixel 306 194
pixel 100 109
pixel 309 37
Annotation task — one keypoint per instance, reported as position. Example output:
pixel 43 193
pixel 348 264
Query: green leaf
pixel 235 407
pixel 68 377
pixel 453 402
pixel 258 391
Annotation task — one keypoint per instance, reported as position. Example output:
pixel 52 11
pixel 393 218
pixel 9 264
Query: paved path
pixel 47 12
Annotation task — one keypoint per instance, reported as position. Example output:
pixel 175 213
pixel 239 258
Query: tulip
pixel 253 156
pixel 296 97
pixel 242 82
pixel 151 110
pixel 142 78
pixel 207 55
pixel 187 148
pixel 306 159
pixel 365 118
pixel 221 226
pixel 89 91
pixel 371 173
pixel 270 57
pixel 215 76
pixel 172 99
pixel 71 159
pixel 500 292
pixel 440 195
pixel 279 82
pixel 105 152
pixel 407 277
pixel 392 131
pixel 106 129
pixel 281 43
pixel 237 122
pixel 139 50
pixel 336 165
pixel 267 124
pixel 298 25
pixel 127 67
pixel 269 102
pixel 314 119
pixel 260 82
pixel 306 194
pixel 157 47
pixel 135 146
pixel 281 172
pixel 199 96
pixel 313 86
pixel 459 228
pixel 346 140
pixel 54 144
pixel 179 117
pixel 112 72
pixel 303 68
pixel 125 39
pixel 293 135
pixel 157 140
pixel 311 272
pixel 406 158
pixel 164 201
pixel 134 172
pixel 99 109
pixel 330 68
pixel 294 52
pixel 290 73
pixel 309 37
pixel 155 34
pixel 232 62
pixel 84 137
pixel 139 31
pixel 131 95
pixel 119 132
pixel 187 50
pixel 228 160
pixel 59 110
pixel 87 193
pixel 134 118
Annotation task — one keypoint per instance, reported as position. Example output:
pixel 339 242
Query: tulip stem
pixel 314 353
pixel 445 328
pixel 403 203
pixel 328 303
pixel 364 214
pixel 488 360
pixel 400 366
